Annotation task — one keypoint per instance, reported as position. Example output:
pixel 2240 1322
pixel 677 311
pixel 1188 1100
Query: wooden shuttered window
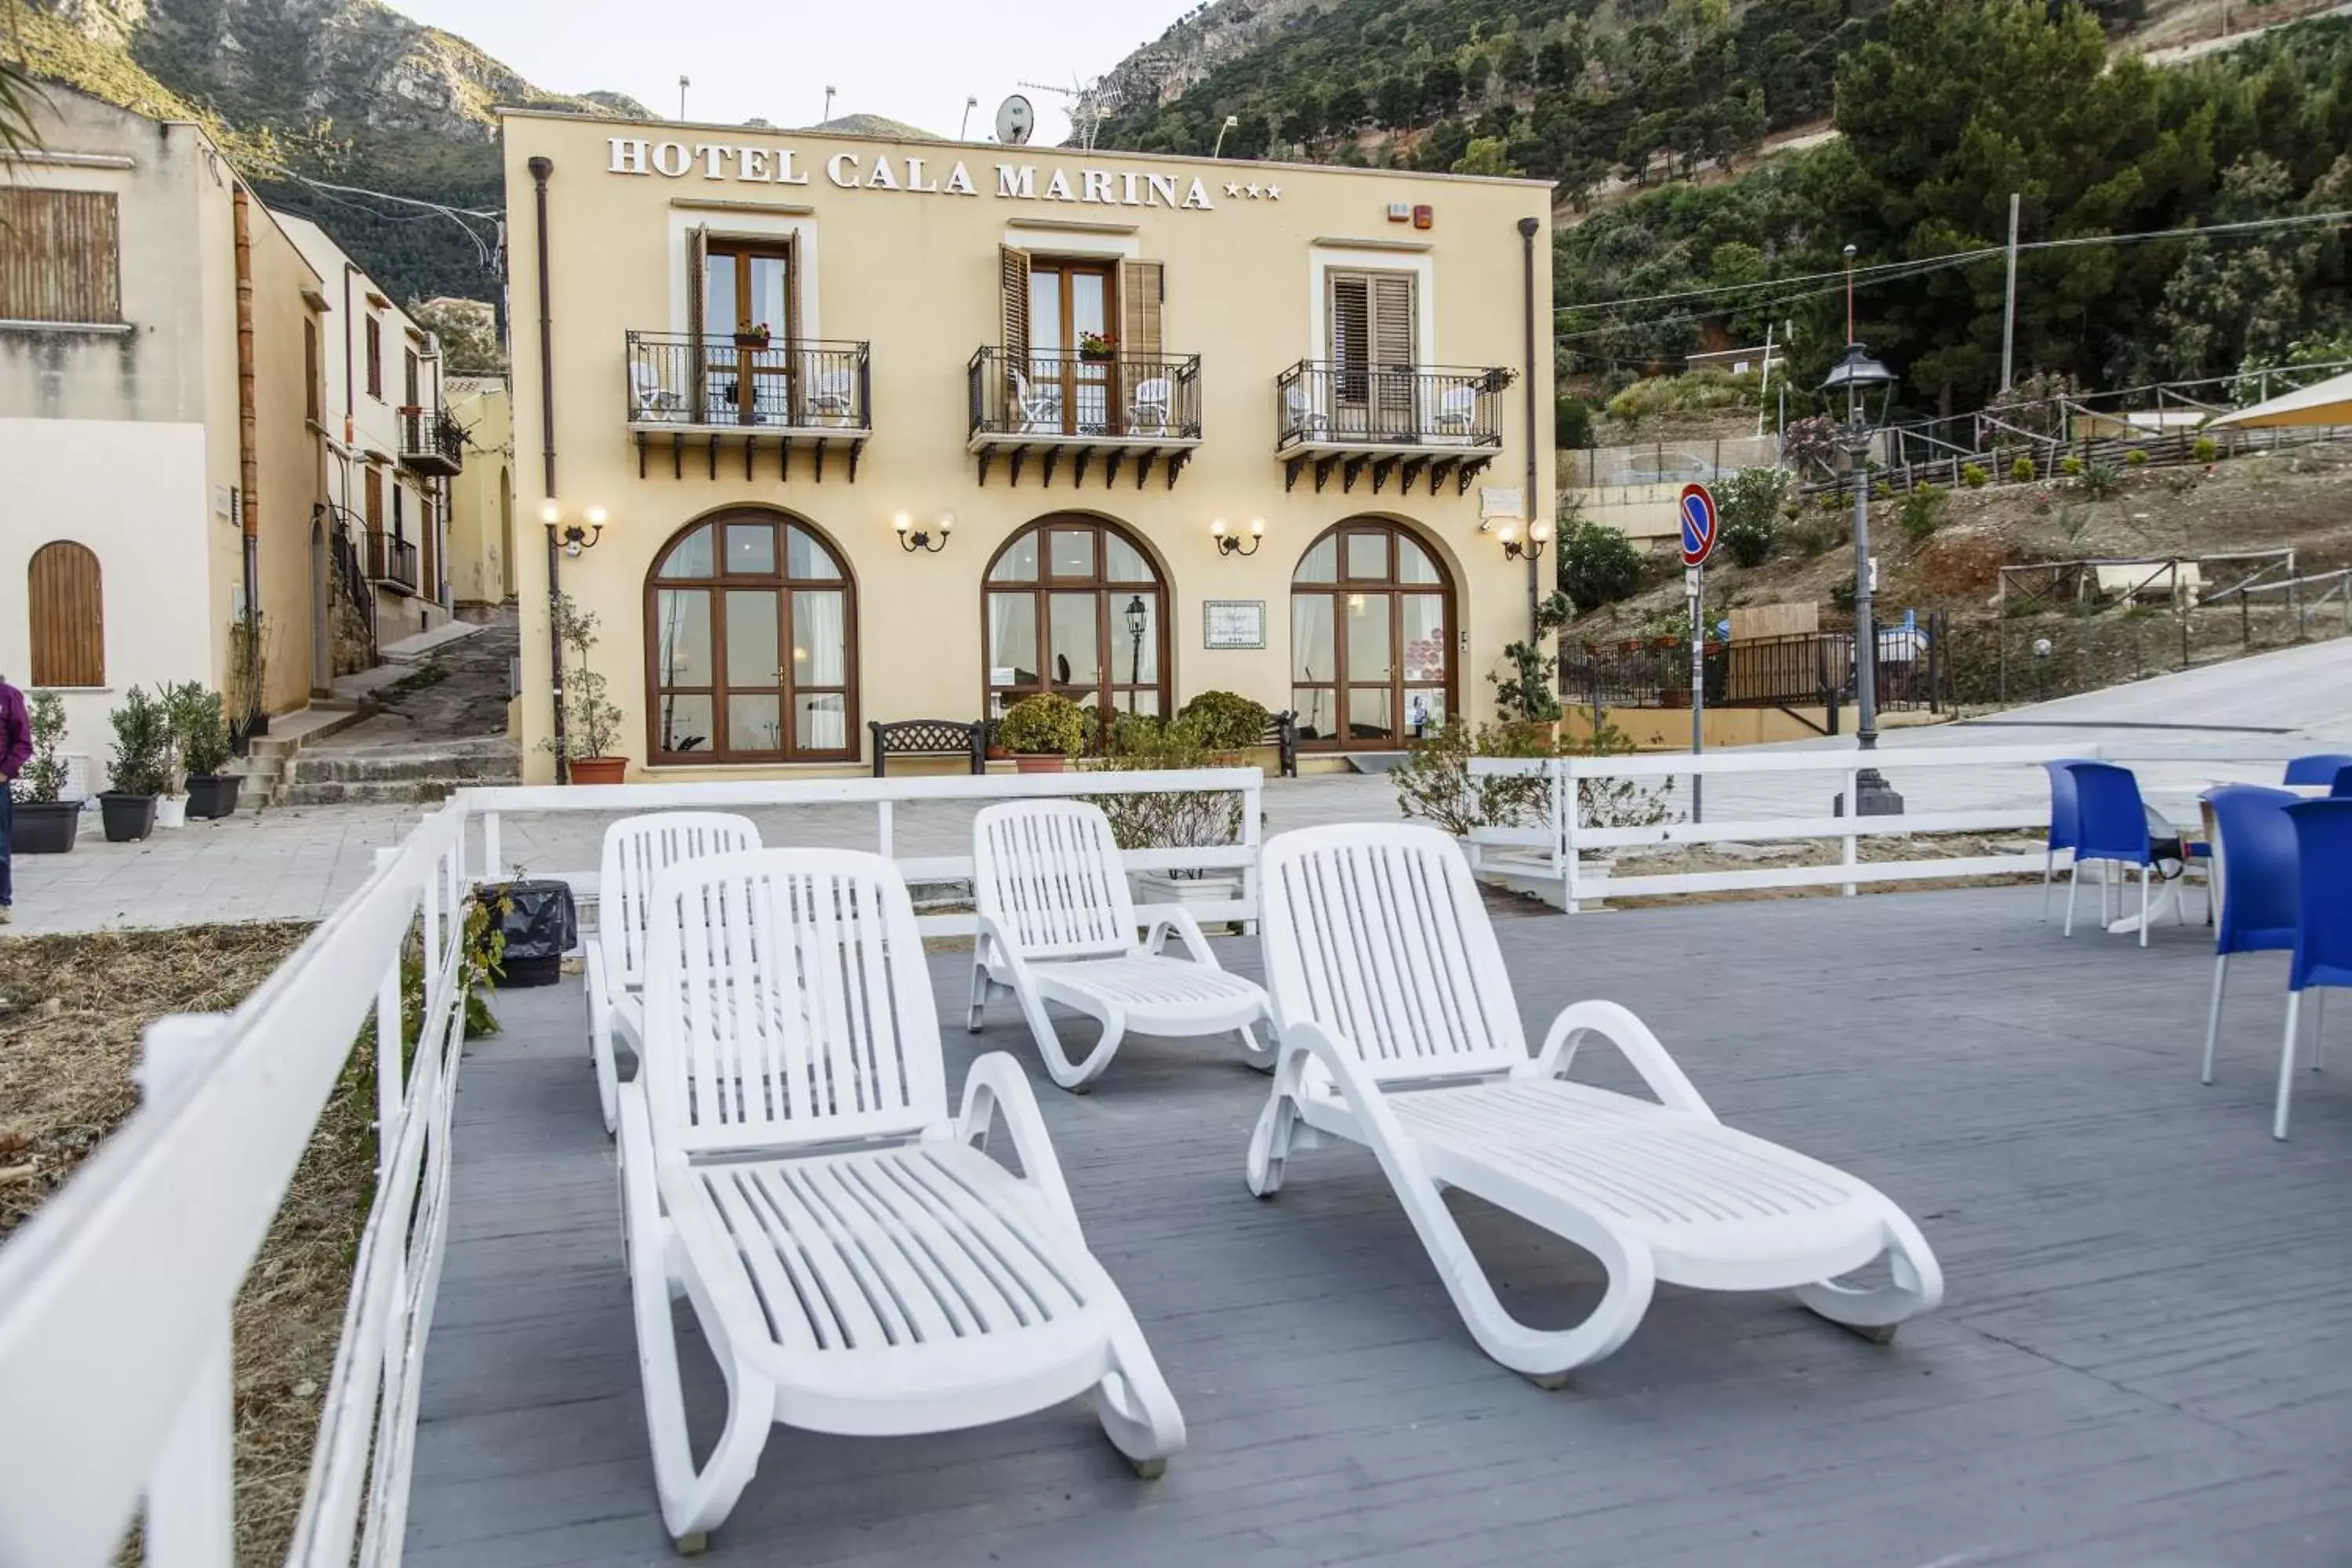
pixel 1372 341
pixel 1012 266
pixel 1143 294
pixel 414 385
pixel 60 256
pixel 374 357
pixel 67 606
pixel 374 498
pixel 312 386
pixel 697 305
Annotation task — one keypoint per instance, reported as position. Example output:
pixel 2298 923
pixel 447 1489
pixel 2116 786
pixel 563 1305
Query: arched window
pixel 68 610
pixel 1074 605
pixel 751 639
pixel 1371 638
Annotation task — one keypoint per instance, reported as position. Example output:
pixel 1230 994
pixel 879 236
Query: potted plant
pixel 1096 348
pixel 1188 819
pixel 591 724
pixel 200 729
pixel 44 824
pixel 754 336
pixel 1042 733
pixel 137 769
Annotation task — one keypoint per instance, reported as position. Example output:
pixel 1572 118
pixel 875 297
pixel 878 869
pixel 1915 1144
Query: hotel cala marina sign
pixel 912 174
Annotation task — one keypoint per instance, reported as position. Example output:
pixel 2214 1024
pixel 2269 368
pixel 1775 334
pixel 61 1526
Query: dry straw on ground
pixel 71 1011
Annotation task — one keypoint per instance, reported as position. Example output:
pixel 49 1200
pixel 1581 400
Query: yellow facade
pixel 1317 348
pixel 482 496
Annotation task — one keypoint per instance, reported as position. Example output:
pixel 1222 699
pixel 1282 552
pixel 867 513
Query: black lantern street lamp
pixel 1855 377
pixel 1136 616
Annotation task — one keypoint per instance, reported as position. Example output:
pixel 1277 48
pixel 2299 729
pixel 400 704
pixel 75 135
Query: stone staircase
pixel 420 772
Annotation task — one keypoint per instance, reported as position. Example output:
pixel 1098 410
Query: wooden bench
pixel 929 738
pixel 1282 734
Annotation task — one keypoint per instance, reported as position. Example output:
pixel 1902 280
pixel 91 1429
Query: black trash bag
pixel 541 924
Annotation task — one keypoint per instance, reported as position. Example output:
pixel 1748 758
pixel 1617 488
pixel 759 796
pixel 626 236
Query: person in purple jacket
pixel 16 750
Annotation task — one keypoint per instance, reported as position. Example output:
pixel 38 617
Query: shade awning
pixel 2325 402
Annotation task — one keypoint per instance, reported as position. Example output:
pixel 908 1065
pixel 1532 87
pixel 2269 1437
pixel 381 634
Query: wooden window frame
pixel 722 356
pixel 716 586
pixel 1075 373
pixel 1106 690
pixel 1393 591
pixel 68 639
pixel 61 255
pixel 374 335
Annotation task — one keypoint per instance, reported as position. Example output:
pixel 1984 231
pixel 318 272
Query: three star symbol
pixel 1234 190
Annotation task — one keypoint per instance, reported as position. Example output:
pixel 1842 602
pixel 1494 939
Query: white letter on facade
pixel 713 155
pixel 960 183
pixel 915 178
pixel 751 163
pixel 881 179
pixel 1057 189
pixel 1198 196
pixel 848 181
pixel 671 158
pixel 1130 198
pixel 1163 190
pixel 629 156
pixel 1097 185
pixel 785 173
pixel 1021 183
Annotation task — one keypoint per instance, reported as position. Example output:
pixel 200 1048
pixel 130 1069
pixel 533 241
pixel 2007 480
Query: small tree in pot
pixel 1042 733
pixel 591 724
pixel 200 731
pixel 1182 820
pixel 44 824
pixel 138 771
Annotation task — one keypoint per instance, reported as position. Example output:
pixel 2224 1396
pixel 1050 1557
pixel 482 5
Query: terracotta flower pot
pixel 599 770
pixel 1045 763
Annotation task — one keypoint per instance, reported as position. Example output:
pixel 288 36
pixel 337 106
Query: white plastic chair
pixel 1457 411
pixel 1058 924
pixel 1039 408
pixel 1399 1031
pixel 1300 417
pixel 1148 411
pixel 857 1264
pixel 637 850
pixel 653 401
pixel 833 396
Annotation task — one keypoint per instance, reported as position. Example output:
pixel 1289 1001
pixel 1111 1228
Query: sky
pixel 914 60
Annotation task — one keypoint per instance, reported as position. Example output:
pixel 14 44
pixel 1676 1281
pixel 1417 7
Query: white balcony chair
pixel 857 1264
pixel 653 401
pixel 1456 414
pixel 637 850
pixel 1147 412
pixel 1399 1031
pixel 1300 417
pixel 1038 408
pixel 1058 924
pixel 833 397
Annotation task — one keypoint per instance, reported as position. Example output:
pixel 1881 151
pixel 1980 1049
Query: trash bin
pixel 541 925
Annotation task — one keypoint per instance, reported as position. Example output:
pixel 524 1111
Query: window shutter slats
pixel 67 614
pixel 1392 333
pixel 60 256
pixel 1014 267
pixel 698 286
pixel 1141 288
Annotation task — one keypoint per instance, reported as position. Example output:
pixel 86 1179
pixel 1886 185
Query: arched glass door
pixel 1073 605
pixel 751 635
pixel 1372 639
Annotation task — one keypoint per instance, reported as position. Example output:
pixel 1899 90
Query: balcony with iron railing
pixel 1113 408
pixel 1399 420
pixel 432 442
pixel 391 562
pixel 696 392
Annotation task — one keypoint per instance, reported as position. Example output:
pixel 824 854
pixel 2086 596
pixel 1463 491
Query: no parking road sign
pixel 1699 524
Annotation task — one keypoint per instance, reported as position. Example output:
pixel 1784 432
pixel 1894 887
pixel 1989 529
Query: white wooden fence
pixel 116 1391
pixel 1574 855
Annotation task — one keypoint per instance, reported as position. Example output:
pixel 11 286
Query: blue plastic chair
pixel 2255 883
pixel 2342 788
pixel 2064 827
pixel 2320 768
pixel 2323 928
pixel 2111 824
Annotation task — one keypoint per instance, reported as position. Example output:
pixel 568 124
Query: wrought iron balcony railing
pixel 1044 393
pixel 1327 403
pixel 697 383
pixel 391 559
pixel 431 441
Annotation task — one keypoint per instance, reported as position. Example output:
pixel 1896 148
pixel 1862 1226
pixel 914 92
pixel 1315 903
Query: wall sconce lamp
pixel 1532 547
pixel 1229 545
pixel 574 537
pixel 911 539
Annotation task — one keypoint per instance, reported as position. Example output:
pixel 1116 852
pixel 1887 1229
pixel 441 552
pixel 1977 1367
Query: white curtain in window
pixel 821 657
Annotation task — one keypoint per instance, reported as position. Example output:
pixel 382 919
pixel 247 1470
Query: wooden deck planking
pixel 2145 1355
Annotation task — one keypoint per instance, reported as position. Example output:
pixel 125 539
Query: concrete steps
pixel 422 772
pixel 268 758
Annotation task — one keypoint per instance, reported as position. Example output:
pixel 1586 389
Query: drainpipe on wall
pixel 540 168
pixel 1528 229
pixel 249 459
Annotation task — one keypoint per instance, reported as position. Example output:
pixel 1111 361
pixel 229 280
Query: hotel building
pixel 828 431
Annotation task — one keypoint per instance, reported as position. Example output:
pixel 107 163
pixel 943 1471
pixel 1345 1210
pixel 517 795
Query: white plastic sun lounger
pixel 857 1262
pixel 1399 1031
pixel 1058 924
pixel 637 849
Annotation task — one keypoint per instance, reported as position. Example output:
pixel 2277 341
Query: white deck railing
pixel 1562 848
pixel 116 1391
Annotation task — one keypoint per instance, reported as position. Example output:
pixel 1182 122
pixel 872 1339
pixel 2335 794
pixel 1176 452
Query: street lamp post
pixel 1136 615
pixel 1857 376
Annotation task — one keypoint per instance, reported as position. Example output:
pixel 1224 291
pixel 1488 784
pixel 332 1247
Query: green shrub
pixel 1434 782
pixel 45 775
pixel 1045 725
pixel 2207 449
pixel 1973 476
pixel 1192 819
pixel 141 745
pixel 1572 422
pixel 2071 465
pixel 1598 566
pixel 2100 481
pixel 199 730
pixel 2023 472
pixel 1225 721
pixel 1690 392
pixel 1921 513
pixel 1751 509
pixel 2135 458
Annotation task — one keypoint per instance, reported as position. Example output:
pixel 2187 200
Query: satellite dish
pixel 1015 119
